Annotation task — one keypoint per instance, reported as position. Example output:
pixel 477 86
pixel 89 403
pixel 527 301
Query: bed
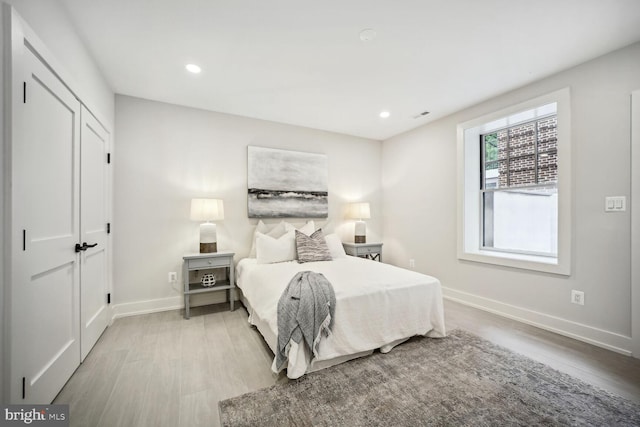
pixel 378 306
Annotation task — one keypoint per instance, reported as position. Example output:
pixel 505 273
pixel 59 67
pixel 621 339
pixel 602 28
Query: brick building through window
pixel 521 156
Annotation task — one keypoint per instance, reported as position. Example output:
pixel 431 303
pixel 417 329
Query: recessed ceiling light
pixel 193 68
pixel 385 114
pixel 367 35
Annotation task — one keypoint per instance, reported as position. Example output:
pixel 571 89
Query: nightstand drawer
pixel 364 250
pixel 368 250
pixel 208 263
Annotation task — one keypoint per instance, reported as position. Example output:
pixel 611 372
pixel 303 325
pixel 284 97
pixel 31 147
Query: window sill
pixel 521 261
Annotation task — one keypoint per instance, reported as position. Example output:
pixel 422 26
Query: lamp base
pixel 360 235
pixel 208 238
pixel 206 248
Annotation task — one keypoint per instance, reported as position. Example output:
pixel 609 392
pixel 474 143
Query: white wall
pixel 4 373
pixel 51 23
pixel 419 185
pixel 167 154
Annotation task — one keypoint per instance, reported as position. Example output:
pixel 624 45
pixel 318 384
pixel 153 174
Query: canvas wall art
pixel 287 184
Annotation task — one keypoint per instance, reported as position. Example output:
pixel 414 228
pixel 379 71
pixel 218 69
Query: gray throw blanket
pixel 305 312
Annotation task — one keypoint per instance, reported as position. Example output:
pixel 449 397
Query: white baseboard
pixel 598 337
pixel 165 304
pixel 148 306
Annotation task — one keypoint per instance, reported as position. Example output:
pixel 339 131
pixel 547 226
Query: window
pixel 518 186
pixel 515 186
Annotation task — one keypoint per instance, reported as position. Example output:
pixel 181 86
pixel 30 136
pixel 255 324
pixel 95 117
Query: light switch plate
pixel 615 204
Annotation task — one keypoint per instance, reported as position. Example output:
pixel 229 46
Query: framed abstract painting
pixel 287 184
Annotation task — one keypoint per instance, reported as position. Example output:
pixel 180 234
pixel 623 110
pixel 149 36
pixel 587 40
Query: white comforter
pixel 377 305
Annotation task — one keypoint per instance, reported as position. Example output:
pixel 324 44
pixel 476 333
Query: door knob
pixel 84 246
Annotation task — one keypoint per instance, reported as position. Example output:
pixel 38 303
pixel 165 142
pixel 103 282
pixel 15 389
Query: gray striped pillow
pixel 312 248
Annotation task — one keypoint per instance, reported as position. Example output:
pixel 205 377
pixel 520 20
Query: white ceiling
pixel 302 62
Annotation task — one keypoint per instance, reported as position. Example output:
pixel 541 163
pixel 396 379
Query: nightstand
pixel 208 261
pixel 371 251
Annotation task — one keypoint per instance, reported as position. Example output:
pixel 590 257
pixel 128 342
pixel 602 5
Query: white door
pixel 94 262
pixel 45 292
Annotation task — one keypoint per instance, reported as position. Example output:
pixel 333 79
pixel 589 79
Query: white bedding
pixel 377 306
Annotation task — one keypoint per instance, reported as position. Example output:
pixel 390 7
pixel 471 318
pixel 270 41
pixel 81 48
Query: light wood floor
pixel 161 370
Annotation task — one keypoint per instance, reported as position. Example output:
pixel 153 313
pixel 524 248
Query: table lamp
pixel 360 211
pixel 207 210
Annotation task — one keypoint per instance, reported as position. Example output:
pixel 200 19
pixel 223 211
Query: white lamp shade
pixel 359 210
pixel 207 210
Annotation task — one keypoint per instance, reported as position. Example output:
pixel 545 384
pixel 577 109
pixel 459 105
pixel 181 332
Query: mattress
pixel 377 306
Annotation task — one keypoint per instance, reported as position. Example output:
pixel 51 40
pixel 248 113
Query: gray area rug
pixel 461 380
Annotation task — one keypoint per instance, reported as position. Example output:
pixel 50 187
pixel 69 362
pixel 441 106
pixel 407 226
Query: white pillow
pixel 277 231
pixel 262 227
pixel 335 246
pixel 270 250
pixel 309 228
pixel 327 227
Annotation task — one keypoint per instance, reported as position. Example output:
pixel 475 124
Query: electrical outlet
pixel 173 276
pixel 577 297
pixel 412 263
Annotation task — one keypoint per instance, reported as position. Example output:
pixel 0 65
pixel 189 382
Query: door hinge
pixel 109 298
pixel 108 158
pixel 24 240
pixel 108 228
pixel 24 387
pixel 24 92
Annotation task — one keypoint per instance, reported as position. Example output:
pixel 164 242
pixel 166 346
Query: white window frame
pixel 469 194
